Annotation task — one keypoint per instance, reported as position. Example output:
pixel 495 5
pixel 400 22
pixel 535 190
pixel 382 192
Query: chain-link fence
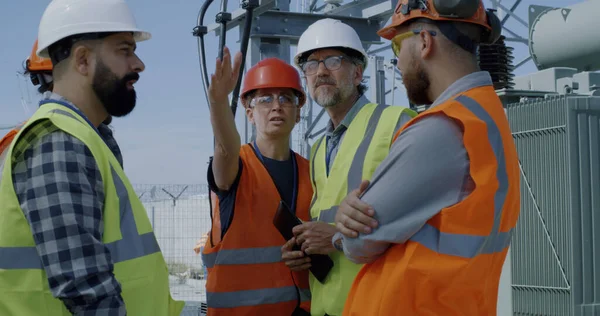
pixel 180 217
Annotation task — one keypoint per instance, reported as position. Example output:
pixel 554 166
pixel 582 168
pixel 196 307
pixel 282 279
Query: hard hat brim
pixel 138 35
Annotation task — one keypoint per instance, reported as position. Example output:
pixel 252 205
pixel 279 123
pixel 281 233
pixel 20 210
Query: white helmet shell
pixel 329 33
pixel 64 18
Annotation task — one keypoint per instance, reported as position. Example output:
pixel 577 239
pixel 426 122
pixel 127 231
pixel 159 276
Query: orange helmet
pixel 36 63
pixel 272 73
pixel 469 11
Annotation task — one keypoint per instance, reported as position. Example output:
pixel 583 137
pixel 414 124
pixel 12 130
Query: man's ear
pixel 358 74
pixel 82 59
pixel 426 44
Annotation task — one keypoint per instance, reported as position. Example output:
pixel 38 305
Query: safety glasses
pixel 268 101
pixel 397 40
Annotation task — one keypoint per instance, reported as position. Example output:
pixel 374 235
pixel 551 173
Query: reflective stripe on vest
pixel 256 297
pixel 242 256
pixel 356 168
pixel 249 297
pixel 312 174
pixel 469 246
pixel 131 246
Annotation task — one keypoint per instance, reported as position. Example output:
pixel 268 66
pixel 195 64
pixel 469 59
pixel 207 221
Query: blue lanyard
pixel 295 167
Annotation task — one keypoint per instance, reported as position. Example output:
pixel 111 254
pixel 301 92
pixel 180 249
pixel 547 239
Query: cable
pixel 5 127
pixel 249 5
pixel 199 31
pixel 223 17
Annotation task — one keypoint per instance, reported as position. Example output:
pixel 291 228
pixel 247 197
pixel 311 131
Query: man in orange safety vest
pixel 434 224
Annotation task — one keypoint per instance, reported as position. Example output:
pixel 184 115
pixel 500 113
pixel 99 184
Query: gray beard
pixel 331 100
pixel 328 101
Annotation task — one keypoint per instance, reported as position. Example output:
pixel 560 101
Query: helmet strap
pixel 457 37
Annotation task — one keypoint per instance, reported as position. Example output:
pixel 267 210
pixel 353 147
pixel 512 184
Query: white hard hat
pixel 64 18
pixel 329 33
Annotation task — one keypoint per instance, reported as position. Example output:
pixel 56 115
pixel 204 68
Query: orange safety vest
pixel 7 140
pixel 245 273
pixel 452 265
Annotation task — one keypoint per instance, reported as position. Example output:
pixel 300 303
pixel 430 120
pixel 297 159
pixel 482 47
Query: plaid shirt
pixel 59 187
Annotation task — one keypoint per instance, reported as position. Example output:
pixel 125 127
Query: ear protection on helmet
pixel 35 80
pixel 458 9
pixel 465 9
pixel 494 22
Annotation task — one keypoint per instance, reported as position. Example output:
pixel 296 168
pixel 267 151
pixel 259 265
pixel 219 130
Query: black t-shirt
pixel 282 173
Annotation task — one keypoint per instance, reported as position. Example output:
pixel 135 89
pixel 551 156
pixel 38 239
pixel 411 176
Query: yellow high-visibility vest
pixel 139 265
pixel 366 143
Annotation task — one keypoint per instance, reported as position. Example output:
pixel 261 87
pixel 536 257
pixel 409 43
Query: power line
pixel 5 127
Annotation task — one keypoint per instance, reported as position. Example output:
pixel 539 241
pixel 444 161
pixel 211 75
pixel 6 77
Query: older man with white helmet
pixel 74 237
pixel 357 139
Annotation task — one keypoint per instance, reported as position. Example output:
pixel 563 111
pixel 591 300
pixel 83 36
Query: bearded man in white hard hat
pixel 74 237
pixel 356 140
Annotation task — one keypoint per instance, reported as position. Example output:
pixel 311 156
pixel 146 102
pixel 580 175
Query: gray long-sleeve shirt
pixel 426 170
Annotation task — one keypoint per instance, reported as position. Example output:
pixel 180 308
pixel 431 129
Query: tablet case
pixel 284 221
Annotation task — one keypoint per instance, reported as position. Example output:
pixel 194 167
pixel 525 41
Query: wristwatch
pixel 338 242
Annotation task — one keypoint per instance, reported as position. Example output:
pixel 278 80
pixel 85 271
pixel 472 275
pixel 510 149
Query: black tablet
pixel 285 221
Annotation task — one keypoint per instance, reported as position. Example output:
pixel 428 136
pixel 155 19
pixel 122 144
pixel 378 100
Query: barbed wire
pixel 173 192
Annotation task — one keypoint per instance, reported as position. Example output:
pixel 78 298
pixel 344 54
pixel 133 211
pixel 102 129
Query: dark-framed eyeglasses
pixel 332 63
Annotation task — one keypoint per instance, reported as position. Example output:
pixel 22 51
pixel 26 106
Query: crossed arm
pixel 426 170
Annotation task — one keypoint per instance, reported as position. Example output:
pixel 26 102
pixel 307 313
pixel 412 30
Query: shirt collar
pixel 358 105
pixel 49 95
pixel 468 82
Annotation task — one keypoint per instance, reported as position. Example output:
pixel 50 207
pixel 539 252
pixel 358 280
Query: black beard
pixel 117 99
pixel 108 120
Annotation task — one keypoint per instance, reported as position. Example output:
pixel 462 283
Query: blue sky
pixel 167 139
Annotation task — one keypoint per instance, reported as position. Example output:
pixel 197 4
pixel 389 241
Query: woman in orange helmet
pixel 243 251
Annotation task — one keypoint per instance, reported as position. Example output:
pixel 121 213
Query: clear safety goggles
pixel 268 101
pixel 397 40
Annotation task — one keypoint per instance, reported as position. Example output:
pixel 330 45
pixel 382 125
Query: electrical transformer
pixel 554 115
